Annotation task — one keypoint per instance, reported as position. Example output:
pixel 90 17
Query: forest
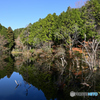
pixel 70 35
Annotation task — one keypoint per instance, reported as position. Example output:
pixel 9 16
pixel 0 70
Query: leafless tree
pixel 90 52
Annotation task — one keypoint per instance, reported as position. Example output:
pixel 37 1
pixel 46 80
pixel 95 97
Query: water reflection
pixel 41 79
pixel 32 84
pixel 9 91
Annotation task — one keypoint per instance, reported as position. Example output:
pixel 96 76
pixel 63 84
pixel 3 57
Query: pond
pixel 27 79
pixel 9 90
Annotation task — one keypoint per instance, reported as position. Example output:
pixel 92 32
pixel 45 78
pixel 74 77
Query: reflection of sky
pixel 8 91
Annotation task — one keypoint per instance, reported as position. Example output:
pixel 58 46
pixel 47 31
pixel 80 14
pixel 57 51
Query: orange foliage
pixel 87 43
pixel 77 49
pixel 80 46
pixel 78 73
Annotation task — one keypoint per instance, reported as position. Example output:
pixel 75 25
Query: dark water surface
pixel 25 79
pixel 10 91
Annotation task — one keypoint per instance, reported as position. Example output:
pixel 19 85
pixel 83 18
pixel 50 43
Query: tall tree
pixel 10 38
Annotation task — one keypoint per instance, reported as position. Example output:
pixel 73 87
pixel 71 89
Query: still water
pixel 22 80
pixel 29 79
pixel 9 90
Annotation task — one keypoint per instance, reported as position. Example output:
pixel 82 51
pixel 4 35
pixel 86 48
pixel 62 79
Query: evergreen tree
pixel 10 38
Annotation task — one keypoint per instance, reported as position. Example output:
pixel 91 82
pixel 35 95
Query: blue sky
pixel 19 13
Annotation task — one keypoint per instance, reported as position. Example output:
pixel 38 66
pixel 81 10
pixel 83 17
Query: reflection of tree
pixel 6 66
pixel 9 66
pixel 2 73
pixel 29 85
pixel 85 82
pixel 2 62
pixel 53 83
pixel 19 61
pixel 40 75
pixel 17 83
pixel 40 80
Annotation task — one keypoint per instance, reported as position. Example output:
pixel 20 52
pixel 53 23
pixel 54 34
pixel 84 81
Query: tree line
pixel 73 24
pixel 66 27
pixel 6 38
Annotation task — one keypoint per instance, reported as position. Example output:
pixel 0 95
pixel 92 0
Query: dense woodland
pixel 69 29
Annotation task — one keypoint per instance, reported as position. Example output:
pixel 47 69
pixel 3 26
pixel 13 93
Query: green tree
pixel 0 27
pixel 25 35
pixel 17 32
pixel 10 38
